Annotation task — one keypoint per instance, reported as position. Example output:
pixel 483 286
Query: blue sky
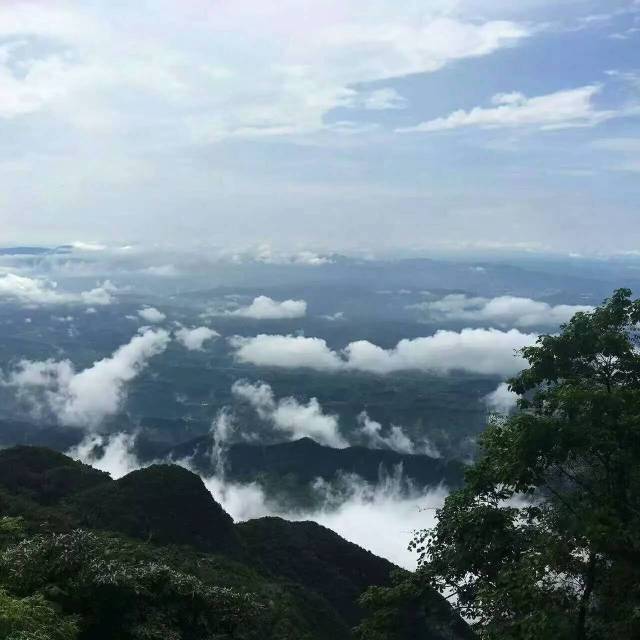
pixel 421 127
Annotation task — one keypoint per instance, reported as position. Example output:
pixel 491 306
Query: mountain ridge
pixel 153 515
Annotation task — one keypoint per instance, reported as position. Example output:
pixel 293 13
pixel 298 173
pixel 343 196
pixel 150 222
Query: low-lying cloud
pixel 151 314
pixel 113 454
pixel 484 351
pixel 395 439
pixel 39 291
pixel 265 308
pixel 502 400
pixel 285 351
pixel 290 416
pixel 193 339
pixel 85 398
pixel 380 518
pixel 503 311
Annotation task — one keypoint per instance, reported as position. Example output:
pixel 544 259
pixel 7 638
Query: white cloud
pixel 504 310
pixel 290 416
pixel 396 440
pixel 265 308
pixel 37 87
pixel 194 339
pixel 485 351
pixel 285 351
pixel 562 109
pixel 101 295
pixel 88 246
pixel 113 454
pixel 38 291
pixel 502 399
pixel 379 518
pixel 85 398
pixel 151 314
pixel 254 87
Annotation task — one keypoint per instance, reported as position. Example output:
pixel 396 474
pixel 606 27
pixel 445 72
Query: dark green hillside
pixel 44 475
pixel 318 558
pixel 153 556
pixel 164 504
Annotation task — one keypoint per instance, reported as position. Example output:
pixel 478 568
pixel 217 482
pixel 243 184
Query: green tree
pixel 33 618
pixel 119 597
pixel 543 541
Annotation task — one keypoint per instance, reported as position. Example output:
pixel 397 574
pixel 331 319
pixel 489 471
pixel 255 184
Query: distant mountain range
pixel 303 461
pixel 286 470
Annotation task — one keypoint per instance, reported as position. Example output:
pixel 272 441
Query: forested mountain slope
pixel 153 555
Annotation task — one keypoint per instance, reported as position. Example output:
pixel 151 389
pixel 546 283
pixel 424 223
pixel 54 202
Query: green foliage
pixel 410 609
pixel 543 541
pixel 82 572
pixel 33 618
pixel 12 529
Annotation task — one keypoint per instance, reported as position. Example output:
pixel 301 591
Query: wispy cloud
pixel 559 110
pixel 85 398
pixel 290 416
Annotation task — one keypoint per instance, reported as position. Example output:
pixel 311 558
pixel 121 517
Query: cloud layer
pixel 217 91
pixel 503 311
pixel 485 351
pixel 265 308
pixel 86 398
pixel 39 291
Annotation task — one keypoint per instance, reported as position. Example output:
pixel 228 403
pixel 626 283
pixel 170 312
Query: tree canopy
pixel 543 541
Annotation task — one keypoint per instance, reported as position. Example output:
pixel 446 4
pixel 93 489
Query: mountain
pixel 286 470
pixel 304 460
pixel 316 557
pixel 153 555
pixel 46 476
pixel 162 503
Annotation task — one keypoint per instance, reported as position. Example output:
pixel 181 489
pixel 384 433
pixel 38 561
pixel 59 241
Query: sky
pixel 330 125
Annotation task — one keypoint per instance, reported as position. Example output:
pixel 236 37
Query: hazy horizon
pixel 455 125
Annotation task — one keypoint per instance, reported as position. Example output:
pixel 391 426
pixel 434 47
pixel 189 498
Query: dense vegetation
pixel 543 541
pixel 153 556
